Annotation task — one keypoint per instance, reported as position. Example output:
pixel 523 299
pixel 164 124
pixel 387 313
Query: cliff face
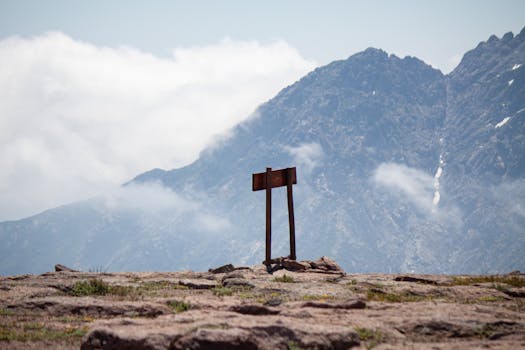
pixel 400 168
pixel 317 307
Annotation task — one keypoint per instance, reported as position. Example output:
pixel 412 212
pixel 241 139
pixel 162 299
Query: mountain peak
pixel 508 36
pixel 374 52
pixel 490 52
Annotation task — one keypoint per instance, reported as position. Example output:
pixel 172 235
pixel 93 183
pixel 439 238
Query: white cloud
pixel 420 189
pixel 152 199
pixel 415 185
pixel 212 223
pixel 511 195
pixel 76 119
pixel 308 156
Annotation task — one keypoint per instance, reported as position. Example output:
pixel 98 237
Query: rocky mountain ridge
pixel 400 169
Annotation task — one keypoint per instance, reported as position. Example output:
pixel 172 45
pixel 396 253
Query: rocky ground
pixel 310 305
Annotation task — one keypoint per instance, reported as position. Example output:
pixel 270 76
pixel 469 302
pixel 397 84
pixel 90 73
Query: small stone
pixel 60 268
pixel 237 282
pixel 348 305
pixel 415 279
pixel 253 309
pixel 198 284
pixel 231 275
pixel 326 264
pixel 294 265
pixel 234 338
pixel 223 269
pixel 273 302
pixel 515 293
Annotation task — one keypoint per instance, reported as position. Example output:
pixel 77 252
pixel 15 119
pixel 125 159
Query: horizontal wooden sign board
pixel 278 179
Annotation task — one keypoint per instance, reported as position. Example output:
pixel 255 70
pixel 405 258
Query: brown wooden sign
pixel 276 178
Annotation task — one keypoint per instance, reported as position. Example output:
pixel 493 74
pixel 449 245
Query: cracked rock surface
pixel 309 308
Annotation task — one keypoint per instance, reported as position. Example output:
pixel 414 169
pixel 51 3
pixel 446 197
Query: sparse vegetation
pixel 491 298
pixel 266 297
pixel 36 332
pixel 485 331
pixel 514 281
pixel 284 278
pixel 74 318
pixel 6 312
pixel 98 269
pixel 178 306
pixel 99 287
pixel 379 295
pixel 292 345
pixel 91 287
pixel 319 297
pixel 222 291
pixel 33 326
pixel 154 288
pixel 519 305
pixel 371 337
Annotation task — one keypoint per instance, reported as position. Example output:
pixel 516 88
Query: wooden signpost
pixel 266 181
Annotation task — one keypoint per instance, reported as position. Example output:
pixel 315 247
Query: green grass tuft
pixel 514 281
pixel 317 297
pixel 178 306
pixel 6 312
pixel 491 298
pixel 292 345
pixel 371 337
pixel 284 279
pixel 92 287
pixel 37 332
pixel 378 295
pixel 222 291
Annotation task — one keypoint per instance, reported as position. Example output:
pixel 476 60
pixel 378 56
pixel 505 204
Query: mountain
pixel 400 169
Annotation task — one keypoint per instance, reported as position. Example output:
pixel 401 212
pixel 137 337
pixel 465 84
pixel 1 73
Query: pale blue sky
pixel 437 31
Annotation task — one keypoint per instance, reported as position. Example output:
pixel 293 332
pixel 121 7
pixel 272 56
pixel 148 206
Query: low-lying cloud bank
pixel 157 202
pixel 418 188
pixel 412 184
pixel 76 119
pixel 307 156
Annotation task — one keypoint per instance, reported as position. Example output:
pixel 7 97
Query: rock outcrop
pixel 318 307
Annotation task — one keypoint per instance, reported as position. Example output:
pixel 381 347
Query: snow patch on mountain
pixel 437 175
pixel 503 122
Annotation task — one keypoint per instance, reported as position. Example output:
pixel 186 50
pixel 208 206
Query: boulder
pixel 60 268
pixel 326 264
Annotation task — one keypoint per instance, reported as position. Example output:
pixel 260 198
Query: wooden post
pixel 290 212
pixel 266 181
pixel 268 216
